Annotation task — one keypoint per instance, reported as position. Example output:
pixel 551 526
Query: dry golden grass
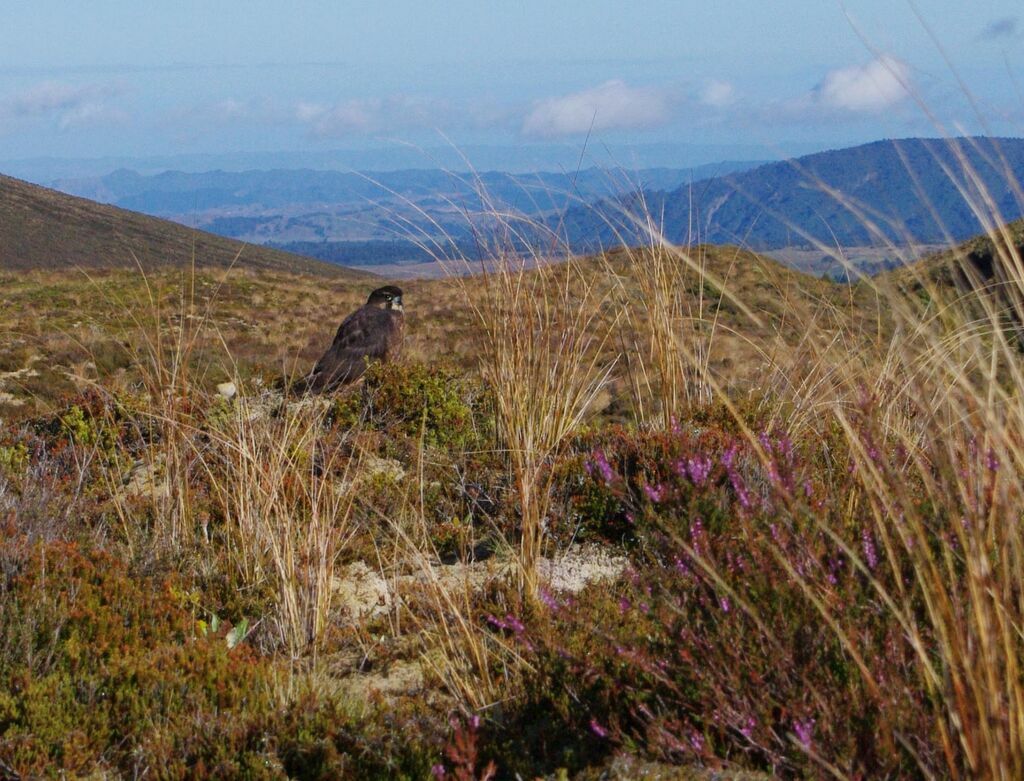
pixel 919 360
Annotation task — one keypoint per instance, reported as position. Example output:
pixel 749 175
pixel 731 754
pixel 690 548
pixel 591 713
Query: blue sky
pixel 119 78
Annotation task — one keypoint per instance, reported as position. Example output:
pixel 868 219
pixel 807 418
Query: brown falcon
pixel 372 333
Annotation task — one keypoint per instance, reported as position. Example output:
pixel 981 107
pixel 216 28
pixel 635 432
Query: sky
pixel 114 78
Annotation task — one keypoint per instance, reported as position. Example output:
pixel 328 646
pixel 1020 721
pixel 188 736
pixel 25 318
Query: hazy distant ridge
pixel 893 186
pixel 177 192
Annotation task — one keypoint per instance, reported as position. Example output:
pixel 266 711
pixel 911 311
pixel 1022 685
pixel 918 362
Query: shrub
pixel 715 647
pixel 104 673
pixel 416 398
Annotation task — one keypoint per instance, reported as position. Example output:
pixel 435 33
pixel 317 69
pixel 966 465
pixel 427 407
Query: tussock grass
pixel 932 421
pixel 819 487
pixel 540 355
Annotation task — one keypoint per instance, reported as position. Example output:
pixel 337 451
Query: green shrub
pixel 103 673
pixel 414 398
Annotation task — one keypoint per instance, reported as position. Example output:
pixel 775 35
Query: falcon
pixel 372 333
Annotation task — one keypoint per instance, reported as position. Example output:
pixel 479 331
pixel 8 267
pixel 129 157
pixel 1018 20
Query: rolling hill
pixel 294 208
pixel 45 229
pixel 900 191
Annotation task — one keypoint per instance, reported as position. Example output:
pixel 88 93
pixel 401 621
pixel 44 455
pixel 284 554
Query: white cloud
pixel 869 88
pixel 718 94
pixel 382 115
pixel 613 105
pixel 91 114
pixel 72 106
pixel 339 119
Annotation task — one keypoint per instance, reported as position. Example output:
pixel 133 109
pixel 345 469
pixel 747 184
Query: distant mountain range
pixel 911 191
pixel 174 193
pixel 517 158
pixel 364 218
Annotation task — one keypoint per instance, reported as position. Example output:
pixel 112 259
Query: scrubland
pixel 791 510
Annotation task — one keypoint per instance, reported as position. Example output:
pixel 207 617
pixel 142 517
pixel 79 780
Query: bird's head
pixel 389 295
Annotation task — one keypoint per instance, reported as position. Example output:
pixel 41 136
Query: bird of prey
pixel 371 333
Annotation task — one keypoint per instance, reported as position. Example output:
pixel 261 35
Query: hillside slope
pixel 45 229
pixel 976 264
pixel 885 189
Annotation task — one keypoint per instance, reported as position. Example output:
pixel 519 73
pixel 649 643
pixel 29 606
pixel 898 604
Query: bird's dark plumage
pixel 374 332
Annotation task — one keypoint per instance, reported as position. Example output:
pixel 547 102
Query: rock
pixel 142 480
pixel 578 567
pixel 10 400
pixel 361 591
pixel 387 468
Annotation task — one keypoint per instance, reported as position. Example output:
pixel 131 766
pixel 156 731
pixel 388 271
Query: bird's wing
pixel 365 331
pixel 368 333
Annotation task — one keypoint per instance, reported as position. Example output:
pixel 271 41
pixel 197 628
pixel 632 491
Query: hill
pixel 178 192
pixel 45 229
pixel 60 330
pixel 297 208
pixel 185 553
pixel 899 191
pixel 977 265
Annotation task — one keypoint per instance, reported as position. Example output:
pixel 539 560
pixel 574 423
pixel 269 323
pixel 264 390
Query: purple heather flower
pixel 804 730
pixel 509 622
pixel 549 601
pixel 870 551
pixel 682 567
pixel 728 456
pixel 438 771
pixel 741 490
pixel 597 729
pixel 624 605
pixel 747 730
pixel 723 602
pixel 699 469
pixel 784 447
pixel 697 741
pixel 654 493
pixel 602 465
pixel 992 461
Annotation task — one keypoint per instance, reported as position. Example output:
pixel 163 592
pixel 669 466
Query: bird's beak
pixel 397 304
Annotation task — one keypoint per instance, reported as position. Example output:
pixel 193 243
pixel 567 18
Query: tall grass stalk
pixel 287 505
pixel 934 424
pixel 163 335
pixel 542 338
